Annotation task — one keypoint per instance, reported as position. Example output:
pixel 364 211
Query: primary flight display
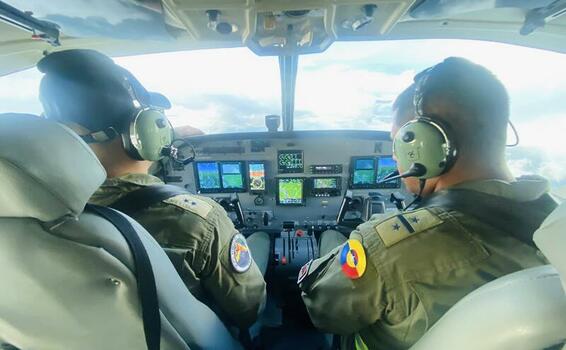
pixel 217 177
pixel 257 176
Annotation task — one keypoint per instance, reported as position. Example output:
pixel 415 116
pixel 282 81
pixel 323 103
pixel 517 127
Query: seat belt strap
pixel 147 291
pixel 501 213
pixel 145 197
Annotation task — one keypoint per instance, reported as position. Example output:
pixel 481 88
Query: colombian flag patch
pixel 353 259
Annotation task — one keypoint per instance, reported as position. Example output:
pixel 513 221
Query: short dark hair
pixel 469 98
pixel 404 106
pixel 85 87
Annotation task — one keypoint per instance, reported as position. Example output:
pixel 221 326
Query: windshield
pixel 216 91
pixel 350 86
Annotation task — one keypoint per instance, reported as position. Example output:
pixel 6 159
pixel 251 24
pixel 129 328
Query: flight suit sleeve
pixel 236 285
pixel 337 303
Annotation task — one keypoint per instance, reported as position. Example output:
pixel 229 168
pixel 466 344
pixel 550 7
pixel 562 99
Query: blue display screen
pixel 385 166
pixel 364 164
pixel 364 172
pixel 232 177
pixel 208 175
pixel 231 168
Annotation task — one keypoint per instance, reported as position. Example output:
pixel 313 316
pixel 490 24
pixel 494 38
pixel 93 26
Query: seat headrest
pixel 550 238
pixel 46 170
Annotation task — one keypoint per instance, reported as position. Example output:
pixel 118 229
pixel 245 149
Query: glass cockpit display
pixel 290 162
pixel 290 191
pixel 326 186
pixel 208 175
pixel 363 172
pixel 367 172
pixel 218 177
pixel 386 166
pixel 232 176
pixel 322 183
pixel 256 172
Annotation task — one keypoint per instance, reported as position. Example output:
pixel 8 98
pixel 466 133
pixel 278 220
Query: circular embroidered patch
pixel 353 259
pixel 240 255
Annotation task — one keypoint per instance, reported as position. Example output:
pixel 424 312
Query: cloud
pixel 350 86
pixel 220 113
pixel 18 92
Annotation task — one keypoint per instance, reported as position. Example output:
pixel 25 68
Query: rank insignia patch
pixel 240 255
pixel 353 259
pixel 399 227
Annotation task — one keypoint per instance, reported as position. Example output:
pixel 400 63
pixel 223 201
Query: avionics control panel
pixel 299 177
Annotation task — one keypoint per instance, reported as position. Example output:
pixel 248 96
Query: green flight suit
pixel 418 264
pixel 202 232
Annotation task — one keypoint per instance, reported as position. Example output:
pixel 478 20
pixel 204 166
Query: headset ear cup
pixel 424 142
pixel 128 145
pixel 150 132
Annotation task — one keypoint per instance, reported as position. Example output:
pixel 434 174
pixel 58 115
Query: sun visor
pixel 46 170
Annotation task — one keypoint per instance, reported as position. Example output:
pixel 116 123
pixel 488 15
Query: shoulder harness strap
pixel 147 290
pixel 501 213
pixel 145 197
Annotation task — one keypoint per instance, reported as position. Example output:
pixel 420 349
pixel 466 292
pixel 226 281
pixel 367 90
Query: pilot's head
pixel 87 91
pixel 473 105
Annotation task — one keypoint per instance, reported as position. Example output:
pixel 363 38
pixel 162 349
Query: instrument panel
pixel 296 177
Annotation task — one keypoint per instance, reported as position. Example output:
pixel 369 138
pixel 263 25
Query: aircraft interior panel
pixel 310 181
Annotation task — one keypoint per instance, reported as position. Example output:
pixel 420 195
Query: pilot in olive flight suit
pixel 90 93
pixel 396 276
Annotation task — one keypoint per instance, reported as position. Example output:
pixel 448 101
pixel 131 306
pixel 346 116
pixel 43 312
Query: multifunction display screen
pixel 323 183
pixel 232 176
pixel 208 176
pixel 257 176
pixel 385 166
pixel 290 162
pixel 367 172
pixel 363 172
pixel 217 177
pixel 290 191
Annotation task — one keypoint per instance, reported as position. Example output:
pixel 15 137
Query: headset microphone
pixel 415 170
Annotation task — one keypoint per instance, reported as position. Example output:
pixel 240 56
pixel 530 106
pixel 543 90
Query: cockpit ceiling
pixel 275 27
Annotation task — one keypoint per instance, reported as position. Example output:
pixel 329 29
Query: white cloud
pixel 350 86
pixel 182 75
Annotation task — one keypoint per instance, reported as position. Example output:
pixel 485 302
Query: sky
pixel 349 86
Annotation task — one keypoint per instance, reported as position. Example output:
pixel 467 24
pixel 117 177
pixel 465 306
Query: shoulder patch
pixel 240 255
pixel 304 271
pixel 353 259
pixel 190 203
pixel 398 227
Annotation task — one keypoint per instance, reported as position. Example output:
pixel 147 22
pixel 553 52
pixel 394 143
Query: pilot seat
pixel 68 276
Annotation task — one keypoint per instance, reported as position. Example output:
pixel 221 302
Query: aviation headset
pixel 423 146
pixel 149 134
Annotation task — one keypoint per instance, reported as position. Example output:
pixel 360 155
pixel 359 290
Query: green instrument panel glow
pixel 291 191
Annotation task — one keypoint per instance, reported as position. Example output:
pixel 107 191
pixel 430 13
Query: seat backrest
pixel 523 310
pixel 550 238
pixel 67 276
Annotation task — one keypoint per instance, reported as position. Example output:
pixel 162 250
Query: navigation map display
pixel 363 172
pixel 208 176
pixel 320 183
pixel 290 162
pixel 232 176
pixel 385 166
pixel 257 176
pixel 290 191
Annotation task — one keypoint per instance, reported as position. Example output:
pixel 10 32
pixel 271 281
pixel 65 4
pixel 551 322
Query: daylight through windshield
pixel 350 86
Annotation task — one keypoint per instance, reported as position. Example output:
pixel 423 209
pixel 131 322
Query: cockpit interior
pixel 290 183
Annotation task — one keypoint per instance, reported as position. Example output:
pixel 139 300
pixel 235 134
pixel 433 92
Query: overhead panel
pixel 275 27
